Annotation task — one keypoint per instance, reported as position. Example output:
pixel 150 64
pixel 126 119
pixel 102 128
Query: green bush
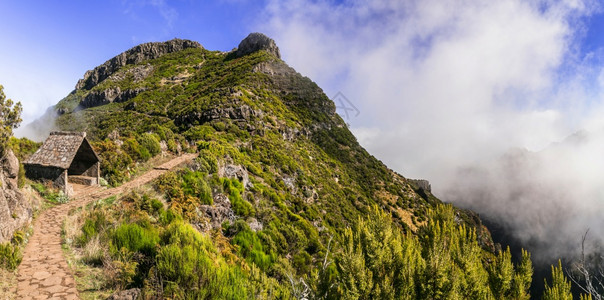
pixel 134 149
pixel 251 248
pixel 10 256
pixel 234 189
pixel 23 147
pixel 115 163
pixel 149 142
pixel 135 238
pixel 95 222
pixel 194 184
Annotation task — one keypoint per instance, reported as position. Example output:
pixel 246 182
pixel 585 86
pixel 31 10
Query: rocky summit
pixel 255 42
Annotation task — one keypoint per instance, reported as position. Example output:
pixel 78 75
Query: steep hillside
pixel 247 109
pixel 278 185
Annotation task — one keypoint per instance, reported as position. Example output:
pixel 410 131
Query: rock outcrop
pixel 16 210
pixel 218 213
pixel 135 55
pixel 235 171
pixel 108 96
pixel 255 42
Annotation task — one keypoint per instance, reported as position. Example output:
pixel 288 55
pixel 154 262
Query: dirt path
pixel 44 273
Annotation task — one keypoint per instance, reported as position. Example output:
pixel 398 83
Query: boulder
pixel 16 210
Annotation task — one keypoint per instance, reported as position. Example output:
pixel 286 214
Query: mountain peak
pixel 255 42
pixel 131 56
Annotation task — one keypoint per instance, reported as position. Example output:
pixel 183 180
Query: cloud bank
pixel 447 88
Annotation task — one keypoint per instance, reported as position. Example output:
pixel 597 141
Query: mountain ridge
pixel 278 177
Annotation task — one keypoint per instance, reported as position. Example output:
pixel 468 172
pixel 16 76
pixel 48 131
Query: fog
pixel 497 103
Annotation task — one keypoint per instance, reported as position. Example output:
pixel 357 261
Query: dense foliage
pixel 10 118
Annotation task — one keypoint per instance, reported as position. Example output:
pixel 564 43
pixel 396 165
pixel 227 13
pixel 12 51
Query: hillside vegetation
pixel 282 201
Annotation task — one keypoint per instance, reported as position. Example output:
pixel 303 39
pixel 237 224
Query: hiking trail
pixel 44 272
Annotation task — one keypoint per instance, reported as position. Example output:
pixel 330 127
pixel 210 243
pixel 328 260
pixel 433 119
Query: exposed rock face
pixel 235 171
pixel 15 209
pixel 257 41
pixel 138 73
pixel 108 96
pixel 135 55
pixel 218 213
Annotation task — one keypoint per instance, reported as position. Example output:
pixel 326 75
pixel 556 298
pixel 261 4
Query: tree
pixel 10 118
pixel 560 288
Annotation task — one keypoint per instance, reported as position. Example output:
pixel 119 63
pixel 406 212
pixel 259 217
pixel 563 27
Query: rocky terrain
pixel 16 210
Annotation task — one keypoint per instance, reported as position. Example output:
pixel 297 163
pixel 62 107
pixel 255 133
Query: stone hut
pixel 64 158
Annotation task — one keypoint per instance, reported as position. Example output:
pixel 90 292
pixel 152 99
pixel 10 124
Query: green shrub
pixel 182 265
pixel 10 256
pixel 135 150
pixel 23 147
pixel 94 223
pixel 126 268
pixel 18 237
pixel 115 163
pixel 234 189
pixel 168 216
pixel 251 248
pixel 194 184
pixel 150 142
pixel 135 238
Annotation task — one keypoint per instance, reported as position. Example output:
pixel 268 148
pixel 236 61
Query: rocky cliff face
pixel 107 96
pixel 16 210
pixel 135 55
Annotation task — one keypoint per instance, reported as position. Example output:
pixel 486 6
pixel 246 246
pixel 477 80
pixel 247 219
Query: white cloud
pixel 446 84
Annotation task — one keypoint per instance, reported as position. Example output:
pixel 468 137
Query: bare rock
pixel 133 56
pixel 235 171
pixel 108 96
pixel 242 113
pixel 16 210
pixel 219 212
pixel 10 164
pixel 131 294
pixel 290 183
pixel 255 42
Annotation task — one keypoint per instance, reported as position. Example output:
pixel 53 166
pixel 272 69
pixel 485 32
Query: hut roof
pixel 59 149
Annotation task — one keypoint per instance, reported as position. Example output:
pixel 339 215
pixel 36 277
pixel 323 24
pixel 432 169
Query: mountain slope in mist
pixel 546 199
